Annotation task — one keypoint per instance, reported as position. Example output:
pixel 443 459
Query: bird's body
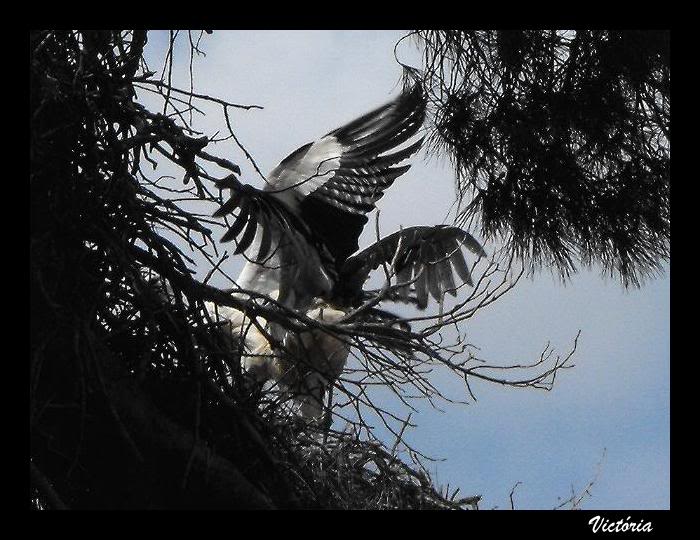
pixel 300 234
pixel 309 362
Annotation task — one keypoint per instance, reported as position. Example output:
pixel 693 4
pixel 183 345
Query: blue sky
pixel 617 396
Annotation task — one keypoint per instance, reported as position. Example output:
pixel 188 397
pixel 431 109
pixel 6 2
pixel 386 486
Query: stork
pixel 300 235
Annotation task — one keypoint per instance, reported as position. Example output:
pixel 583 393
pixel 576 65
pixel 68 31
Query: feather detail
pixel 238 223
pixel 247 237
pixel 430 251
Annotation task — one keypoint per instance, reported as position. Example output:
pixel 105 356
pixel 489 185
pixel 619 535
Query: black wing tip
pixel 228 236
pixel 413 98
pixel 473 245
pixel 247 238
pixel 408 103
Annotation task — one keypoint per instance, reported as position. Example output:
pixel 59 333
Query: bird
pixel 312 359
pixel 300 236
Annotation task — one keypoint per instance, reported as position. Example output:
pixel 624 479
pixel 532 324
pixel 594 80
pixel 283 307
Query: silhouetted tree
pixel 560 141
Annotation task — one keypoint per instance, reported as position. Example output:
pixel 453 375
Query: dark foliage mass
pixel 136 398
pixel 560 140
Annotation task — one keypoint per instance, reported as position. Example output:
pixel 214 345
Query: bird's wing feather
pixel 289 258
pixel 316 198
pixel 426 256
pixel 256 209
pixel 333 182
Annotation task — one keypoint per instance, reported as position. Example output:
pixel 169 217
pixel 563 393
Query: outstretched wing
pixel 316 199
pixel 254 209
pixel 333 182
pixel 424 256
pixel 289 260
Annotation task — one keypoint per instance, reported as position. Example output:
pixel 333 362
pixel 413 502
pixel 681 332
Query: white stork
pixel 301 231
